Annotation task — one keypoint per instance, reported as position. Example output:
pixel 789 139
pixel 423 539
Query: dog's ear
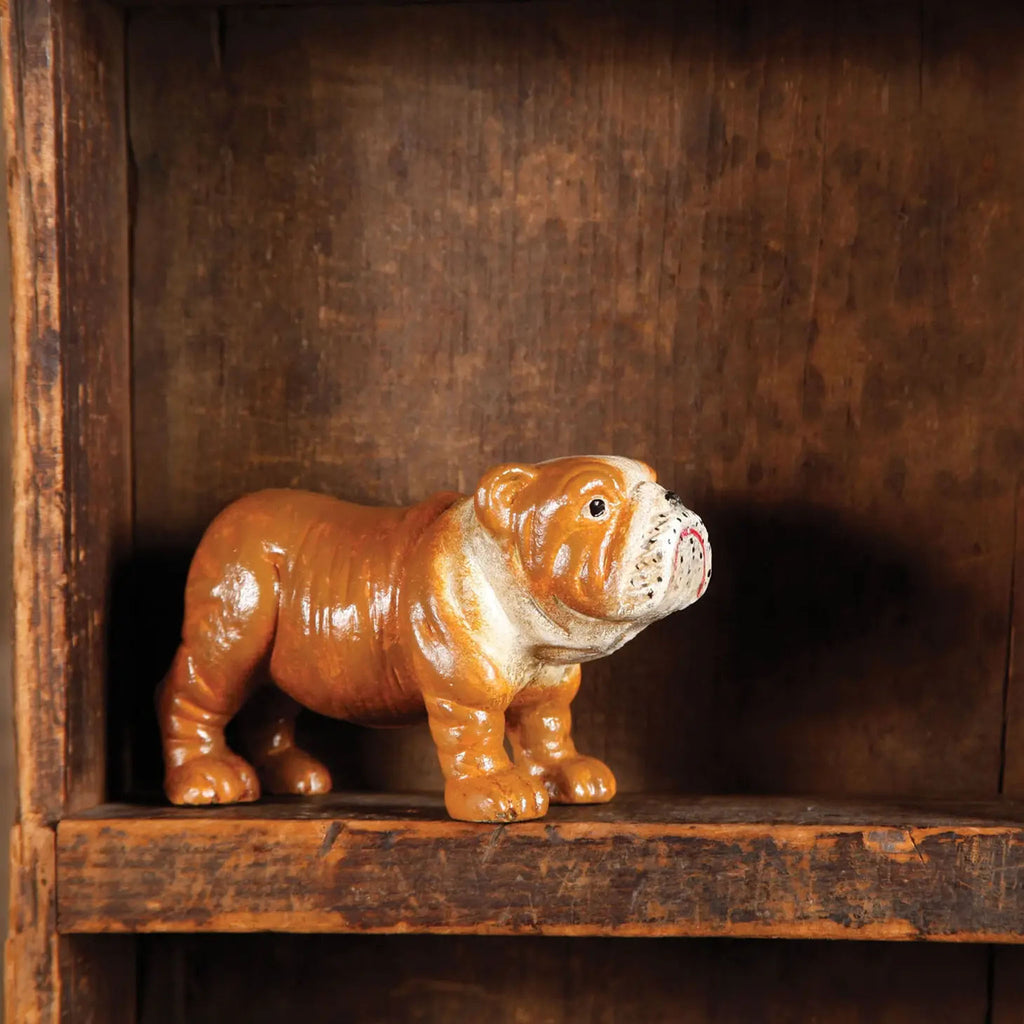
pixel 496 492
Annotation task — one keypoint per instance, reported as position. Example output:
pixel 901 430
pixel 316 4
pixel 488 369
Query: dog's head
pixel 598 535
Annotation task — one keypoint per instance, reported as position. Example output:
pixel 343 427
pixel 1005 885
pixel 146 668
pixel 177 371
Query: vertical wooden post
pixel 67 179
pixel 40 639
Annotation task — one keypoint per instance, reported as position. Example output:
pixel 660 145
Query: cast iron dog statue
pixel 475 610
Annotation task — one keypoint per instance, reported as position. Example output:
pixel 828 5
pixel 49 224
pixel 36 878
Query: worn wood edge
pixel 104 864
pixel 315 924
pixel 37 459
pixel 627 811
pixel 318 830
pixel 30 953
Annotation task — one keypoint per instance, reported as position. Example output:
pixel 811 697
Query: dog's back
pixel 317 580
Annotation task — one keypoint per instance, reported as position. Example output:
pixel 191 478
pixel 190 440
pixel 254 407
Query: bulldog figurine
pixel 475 610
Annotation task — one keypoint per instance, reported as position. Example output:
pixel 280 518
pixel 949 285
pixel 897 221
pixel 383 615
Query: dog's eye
pixel 597 508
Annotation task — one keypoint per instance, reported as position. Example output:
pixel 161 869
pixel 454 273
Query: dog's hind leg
pixel 267 732
pixel 230 619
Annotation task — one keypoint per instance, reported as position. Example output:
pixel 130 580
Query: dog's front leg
pixel 481 783
pixel 539 729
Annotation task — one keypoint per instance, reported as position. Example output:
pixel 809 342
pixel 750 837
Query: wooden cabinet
pixel 772 249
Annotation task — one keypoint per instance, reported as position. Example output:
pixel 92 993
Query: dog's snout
pixel 673 497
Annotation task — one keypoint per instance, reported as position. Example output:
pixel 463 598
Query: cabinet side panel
pixel 97 975
pixel 70 443
pixel 95 339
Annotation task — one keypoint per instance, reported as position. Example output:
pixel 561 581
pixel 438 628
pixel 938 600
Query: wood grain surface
pixel 40 632
pixel 644 867
pixel 767 249
pixel 95 335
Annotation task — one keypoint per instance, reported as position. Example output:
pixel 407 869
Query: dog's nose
pixel 673 497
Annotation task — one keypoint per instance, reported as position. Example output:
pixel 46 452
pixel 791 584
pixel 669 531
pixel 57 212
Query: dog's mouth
pixel 692 559
pixel 671 565
pixel 649 574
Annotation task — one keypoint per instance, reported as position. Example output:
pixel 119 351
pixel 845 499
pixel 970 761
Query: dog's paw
pixel 579 780
pixel 294 771
pixel 212 779
pixel 507 795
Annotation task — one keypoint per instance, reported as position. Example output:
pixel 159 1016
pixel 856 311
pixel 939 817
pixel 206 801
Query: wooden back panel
pixel 771 251
pixel 576 981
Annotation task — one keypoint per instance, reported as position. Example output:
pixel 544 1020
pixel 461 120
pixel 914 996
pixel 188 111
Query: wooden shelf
pixel 643 866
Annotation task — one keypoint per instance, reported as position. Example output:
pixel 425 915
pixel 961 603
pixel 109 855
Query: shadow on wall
pixel 826 657
pixel 821 655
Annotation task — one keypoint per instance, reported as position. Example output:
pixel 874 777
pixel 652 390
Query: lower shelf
pixel 642 865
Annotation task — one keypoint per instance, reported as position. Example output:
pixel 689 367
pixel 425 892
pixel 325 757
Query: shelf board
pixel 646 866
